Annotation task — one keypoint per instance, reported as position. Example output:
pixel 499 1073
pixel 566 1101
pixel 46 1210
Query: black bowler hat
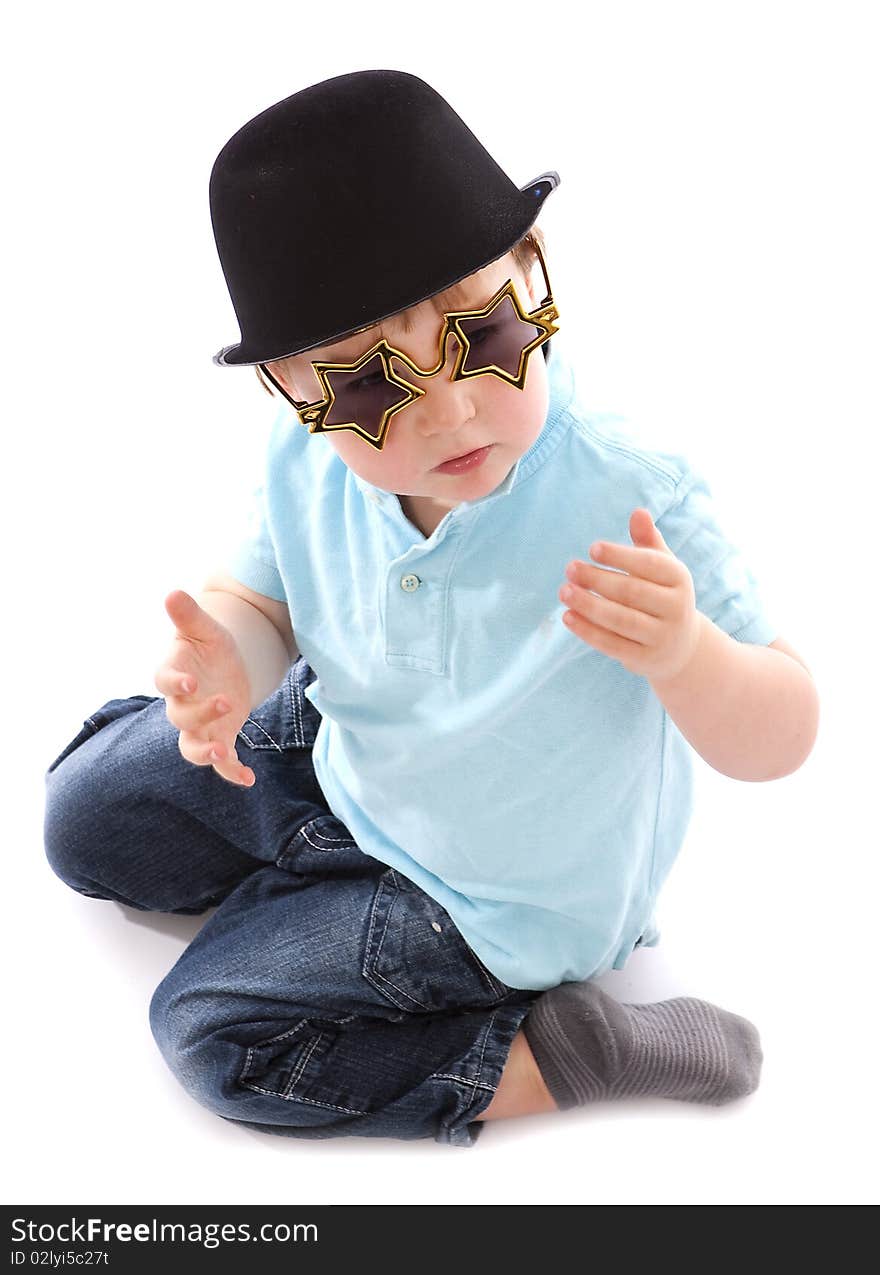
pixel 350 201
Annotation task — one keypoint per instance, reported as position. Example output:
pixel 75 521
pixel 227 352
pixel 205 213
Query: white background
pixel 713 252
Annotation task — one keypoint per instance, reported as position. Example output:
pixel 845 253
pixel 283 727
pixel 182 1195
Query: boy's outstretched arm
pixel 261 627
pixel 751 712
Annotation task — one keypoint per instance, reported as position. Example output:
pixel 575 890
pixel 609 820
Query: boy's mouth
pixel 468 460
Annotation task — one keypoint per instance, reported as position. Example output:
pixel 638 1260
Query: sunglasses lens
pixel 362 397
pixel 497 339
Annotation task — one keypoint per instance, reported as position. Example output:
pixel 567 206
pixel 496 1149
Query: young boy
pixel 425 741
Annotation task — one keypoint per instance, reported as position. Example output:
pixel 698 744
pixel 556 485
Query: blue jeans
pixel 327 994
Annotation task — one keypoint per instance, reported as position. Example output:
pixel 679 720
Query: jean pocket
pixel 322 1067
pixel 278 1065
pixel 417 957
pixel 321 847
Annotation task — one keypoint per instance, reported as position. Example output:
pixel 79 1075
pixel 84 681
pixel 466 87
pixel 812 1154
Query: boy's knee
pixel 215 1055
pixel 87 788
pixel 192 1035
pixel 175 1024
pixel 72 820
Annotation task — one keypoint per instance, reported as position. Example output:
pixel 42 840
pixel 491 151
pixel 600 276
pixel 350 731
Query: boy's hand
pixel 647 619
pixel 206 689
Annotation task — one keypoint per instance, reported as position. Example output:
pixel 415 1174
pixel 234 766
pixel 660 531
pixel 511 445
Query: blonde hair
pixel 524 254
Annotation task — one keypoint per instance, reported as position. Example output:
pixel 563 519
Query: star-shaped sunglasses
pixel 363 396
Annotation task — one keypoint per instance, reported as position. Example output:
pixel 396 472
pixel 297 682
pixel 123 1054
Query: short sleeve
pixel 252 559
pixel 726 590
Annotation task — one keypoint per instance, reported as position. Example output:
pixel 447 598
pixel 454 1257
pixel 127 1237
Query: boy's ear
pixel 531 286
pixel 280 374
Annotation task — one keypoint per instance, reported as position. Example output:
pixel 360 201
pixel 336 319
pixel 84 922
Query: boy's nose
pixel 447 404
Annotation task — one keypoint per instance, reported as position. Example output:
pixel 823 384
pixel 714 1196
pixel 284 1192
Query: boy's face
pixel 453 417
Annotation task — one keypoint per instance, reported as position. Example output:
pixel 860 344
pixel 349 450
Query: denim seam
pixel 297 1072
pixel 480 1064
pixel 330 1106
pixel 252 743
pixel 312 1102
pixel 477 1083
pixel 488 977
pixel 464 1080
pixel 294 691
pixel 291 1031
pixel 346 841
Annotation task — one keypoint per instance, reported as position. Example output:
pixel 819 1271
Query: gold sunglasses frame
pixel 313 415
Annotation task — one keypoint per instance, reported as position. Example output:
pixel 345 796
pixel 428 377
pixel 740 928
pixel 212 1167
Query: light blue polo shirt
pixel 532 785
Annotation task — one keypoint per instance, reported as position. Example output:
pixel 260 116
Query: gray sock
pixel 589 1046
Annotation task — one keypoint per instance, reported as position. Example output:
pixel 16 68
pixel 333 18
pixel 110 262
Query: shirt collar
pixel 562 390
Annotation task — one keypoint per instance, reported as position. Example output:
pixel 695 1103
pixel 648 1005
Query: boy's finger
pixel 203 752
pixel 193 749
pixel 189 618
pixel 193 717
pixel 171 681
pixel 238 775
pixel 228 766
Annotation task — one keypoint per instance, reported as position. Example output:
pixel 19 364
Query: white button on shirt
pixel 530 784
